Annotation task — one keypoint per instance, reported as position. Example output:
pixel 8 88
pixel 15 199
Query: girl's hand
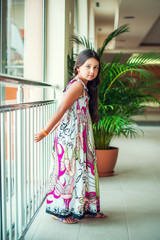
pixel 38 136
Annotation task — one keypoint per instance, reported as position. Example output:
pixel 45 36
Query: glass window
pixel 22 38
pixel 12 21
pixel 22 44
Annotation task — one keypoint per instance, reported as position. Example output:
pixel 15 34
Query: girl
pixel 73 191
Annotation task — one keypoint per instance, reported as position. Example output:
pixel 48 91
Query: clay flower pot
pixel 106 161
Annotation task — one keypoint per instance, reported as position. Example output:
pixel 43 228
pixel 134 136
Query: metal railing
pixel 24 165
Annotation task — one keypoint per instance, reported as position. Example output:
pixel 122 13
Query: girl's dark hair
pixel 91 85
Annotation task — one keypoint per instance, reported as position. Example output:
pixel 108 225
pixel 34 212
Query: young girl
pixel 73 191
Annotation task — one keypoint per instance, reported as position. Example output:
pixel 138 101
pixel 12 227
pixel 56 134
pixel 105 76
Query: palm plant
pixel 124 91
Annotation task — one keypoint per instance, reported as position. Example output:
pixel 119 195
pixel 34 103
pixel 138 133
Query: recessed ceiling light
pixel 129 17
pixel 97 4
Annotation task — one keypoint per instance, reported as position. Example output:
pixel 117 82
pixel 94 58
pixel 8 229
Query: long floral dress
pixel 73 185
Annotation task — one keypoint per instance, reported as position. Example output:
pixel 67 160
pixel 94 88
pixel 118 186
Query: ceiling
pixel 143 17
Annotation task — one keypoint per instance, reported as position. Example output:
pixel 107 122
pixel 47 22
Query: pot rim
pixel 110 148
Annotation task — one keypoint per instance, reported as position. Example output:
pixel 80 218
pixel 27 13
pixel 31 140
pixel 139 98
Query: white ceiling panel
pixel 144 31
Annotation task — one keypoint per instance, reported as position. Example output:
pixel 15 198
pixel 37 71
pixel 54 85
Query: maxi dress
pixel 73 188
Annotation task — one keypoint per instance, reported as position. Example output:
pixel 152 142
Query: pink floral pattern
pixel 73 188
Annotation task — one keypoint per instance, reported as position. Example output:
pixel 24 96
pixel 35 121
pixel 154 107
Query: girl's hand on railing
pixel 38 136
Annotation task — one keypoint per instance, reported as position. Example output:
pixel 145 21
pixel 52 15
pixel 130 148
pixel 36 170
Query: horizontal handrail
pixel 12 107
pixel 7 79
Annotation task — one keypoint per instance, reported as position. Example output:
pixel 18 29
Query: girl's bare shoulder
pixel 75 86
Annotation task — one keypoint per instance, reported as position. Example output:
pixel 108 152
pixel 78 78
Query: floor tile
pixel 143 215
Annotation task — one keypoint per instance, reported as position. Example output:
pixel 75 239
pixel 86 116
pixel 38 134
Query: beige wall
pixel 33 46
pixel 60 24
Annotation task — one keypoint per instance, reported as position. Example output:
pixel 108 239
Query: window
pixel 22 44
pixel 12 24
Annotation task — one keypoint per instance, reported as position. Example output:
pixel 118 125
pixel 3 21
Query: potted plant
pixel 124 91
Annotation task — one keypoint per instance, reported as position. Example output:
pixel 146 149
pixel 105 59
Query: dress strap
pixel 79 80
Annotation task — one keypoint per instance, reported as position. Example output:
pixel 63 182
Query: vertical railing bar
pixel 41 156
pixel 20 171
pixel 29 165
pixel 36 151
pixel 0 180
pixel 52 136
pixel 25 166
pixel 43 144
pixel 22 167
pixel 47 150
pixel 45 153
pixel 15 175
pixel 43 168
pixel 32 157
pixel 3 179
pixel 9 174
pixel 48 147
pixel 50 139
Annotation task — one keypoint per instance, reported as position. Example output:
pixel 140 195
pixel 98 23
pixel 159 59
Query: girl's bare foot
pixel 68 220
pixel 99 215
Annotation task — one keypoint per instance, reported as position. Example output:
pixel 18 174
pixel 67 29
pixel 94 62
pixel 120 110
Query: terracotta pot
pixel 106 161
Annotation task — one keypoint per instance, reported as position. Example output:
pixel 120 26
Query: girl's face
pixel 89 70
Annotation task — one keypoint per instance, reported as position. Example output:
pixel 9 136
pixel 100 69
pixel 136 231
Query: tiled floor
pixel 131 198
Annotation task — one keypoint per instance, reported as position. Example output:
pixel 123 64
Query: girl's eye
pixel 96 67
pixel 87 66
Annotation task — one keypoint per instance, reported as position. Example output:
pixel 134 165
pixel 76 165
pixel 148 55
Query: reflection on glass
pixel 15 37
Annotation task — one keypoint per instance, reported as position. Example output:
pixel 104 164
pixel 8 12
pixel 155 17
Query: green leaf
pixel 122 29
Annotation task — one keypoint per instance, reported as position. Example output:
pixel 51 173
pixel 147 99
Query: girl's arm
pixel 55 127
pixel 71 95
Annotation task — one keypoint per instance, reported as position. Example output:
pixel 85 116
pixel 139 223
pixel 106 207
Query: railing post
pixel 2 95
pixel 54 94
pixel 20 94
